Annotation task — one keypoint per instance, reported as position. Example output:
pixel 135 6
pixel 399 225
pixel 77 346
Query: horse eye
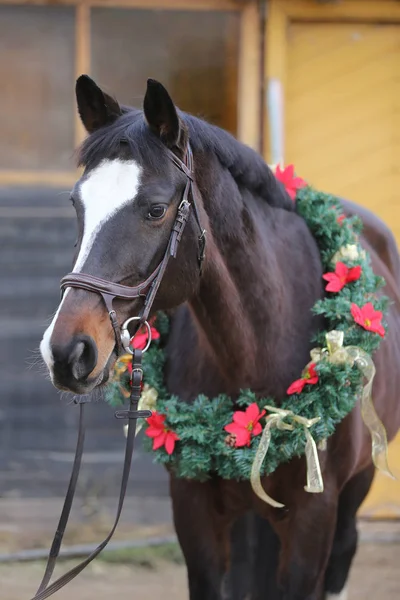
pixel 157 211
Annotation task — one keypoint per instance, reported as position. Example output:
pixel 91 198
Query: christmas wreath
pixel 246 437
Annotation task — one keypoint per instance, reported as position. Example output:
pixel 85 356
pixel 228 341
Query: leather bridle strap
pixel 147 289
pixel 62 524
pixel 188 170
pixel 132 414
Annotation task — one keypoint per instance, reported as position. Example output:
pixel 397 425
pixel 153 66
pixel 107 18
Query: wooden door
pixel 343 108
pixel 194 54
pixel 37 79
pixel 343 134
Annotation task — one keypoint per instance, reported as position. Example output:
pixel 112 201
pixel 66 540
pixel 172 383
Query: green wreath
pixel 220 436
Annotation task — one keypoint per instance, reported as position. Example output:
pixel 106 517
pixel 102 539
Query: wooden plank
pixel 144 4
pixel 231 74
pixel 52 178
pixel 82 59
pixel 36 212
pixel 37 71
pixel 249 100
pixel 275 62
pixel 381 11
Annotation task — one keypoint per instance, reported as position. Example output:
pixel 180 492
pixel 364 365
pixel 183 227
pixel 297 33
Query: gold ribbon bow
pixel 119 369
pixel 148 397
pixel 348 252
pixel 336 353
pixel 276 418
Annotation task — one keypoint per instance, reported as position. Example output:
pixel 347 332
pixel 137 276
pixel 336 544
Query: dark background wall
pixel 37 424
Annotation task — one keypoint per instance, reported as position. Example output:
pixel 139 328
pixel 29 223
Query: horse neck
pixel 251 302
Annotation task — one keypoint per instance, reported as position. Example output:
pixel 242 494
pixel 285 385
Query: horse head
pixel 126 203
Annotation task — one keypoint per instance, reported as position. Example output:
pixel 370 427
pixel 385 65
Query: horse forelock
pixel 130 137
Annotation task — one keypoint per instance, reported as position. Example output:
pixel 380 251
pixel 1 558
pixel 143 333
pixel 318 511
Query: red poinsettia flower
pixel 291 183
pixel 368 317
pixel 139 340
pixel 309 377
pixel 245 424
pixel 341 277
pixel 340 219
pixel 162 436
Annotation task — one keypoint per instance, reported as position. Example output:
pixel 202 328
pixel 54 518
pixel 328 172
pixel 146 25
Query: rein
pixel 109 291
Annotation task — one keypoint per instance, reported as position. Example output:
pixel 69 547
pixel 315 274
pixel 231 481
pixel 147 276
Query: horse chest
pixel 191 368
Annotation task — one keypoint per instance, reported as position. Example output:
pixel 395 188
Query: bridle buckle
pixel 126 337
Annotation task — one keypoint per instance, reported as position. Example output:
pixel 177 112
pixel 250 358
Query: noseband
pixel 146 289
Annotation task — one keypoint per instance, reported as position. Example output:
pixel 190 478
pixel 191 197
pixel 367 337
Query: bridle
pixel 109 292
pixel 146 289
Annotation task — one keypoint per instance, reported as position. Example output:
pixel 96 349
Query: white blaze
pixel 109 187
pixel 45 347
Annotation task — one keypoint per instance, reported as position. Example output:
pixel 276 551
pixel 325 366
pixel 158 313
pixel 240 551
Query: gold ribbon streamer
pixel 335 353
pixel 348 252
pixel 276 418
pixel 352 355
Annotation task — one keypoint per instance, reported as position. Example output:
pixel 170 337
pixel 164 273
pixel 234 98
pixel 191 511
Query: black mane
pixel 245 165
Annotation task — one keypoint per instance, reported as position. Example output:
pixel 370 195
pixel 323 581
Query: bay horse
pixel 245 322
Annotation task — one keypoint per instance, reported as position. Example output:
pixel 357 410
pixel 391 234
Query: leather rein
pixel 109 292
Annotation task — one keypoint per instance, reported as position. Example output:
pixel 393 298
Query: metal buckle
pixel 182 204
pixel 137 370
pixel 126 337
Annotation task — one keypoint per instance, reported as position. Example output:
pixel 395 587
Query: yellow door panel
pixel 342 126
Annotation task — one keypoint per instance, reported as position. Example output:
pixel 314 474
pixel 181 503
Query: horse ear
pixel 96 108
pixel 161 114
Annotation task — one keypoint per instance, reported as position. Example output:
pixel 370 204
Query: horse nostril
pixel 83 357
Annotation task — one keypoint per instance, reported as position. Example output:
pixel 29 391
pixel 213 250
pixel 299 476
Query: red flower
pixel 291 183
pixel 162 436
pixel 139 340
pixel 340 219
pixel 245 424
pixel 341 277
pixel 310 377
pixel 368 317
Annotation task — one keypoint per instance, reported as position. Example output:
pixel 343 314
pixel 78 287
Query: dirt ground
pixel 375 576
pixel 149 573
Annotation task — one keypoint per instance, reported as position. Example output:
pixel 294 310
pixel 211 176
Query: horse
pixel 244 321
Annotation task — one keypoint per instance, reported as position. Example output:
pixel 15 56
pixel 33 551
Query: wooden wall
pixel 338 66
